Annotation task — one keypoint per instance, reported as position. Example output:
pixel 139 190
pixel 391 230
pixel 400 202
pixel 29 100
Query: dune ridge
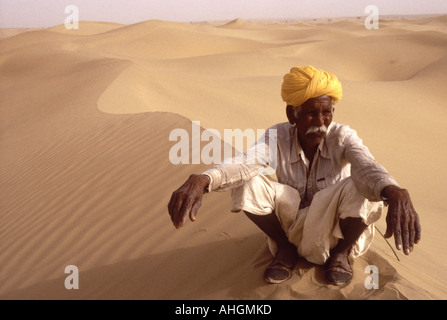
pixel 86 176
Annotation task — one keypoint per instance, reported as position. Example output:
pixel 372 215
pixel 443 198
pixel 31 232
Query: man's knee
pixel 256 196
pixel 353 204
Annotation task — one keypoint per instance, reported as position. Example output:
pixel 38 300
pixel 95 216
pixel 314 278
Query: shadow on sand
pixel 203 272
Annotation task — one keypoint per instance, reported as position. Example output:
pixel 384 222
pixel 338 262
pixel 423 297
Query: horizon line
pixel 278 20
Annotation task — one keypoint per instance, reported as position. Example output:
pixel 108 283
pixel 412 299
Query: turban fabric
pixel 304 83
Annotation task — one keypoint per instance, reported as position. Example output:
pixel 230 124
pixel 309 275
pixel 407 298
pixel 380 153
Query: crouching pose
pixel 328 191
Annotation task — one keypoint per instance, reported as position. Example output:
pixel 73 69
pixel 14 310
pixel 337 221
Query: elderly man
pixel 329 189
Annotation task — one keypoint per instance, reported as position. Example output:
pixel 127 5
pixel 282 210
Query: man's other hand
pixel 402 219
pixel 187 199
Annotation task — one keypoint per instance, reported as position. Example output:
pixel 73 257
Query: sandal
pixel 338 275
pixel 278 272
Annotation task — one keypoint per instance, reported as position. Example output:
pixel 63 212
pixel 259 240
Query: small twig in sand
pixel 387 243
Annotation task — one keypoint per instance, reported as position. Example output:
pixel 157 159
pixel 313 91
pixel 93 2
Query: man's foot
pixel 339 271
pixel 282 266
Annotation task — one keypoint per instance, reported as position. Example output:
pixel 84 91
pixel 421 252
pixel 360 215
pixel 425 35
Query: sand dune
pixel 87 28
pixel 86 176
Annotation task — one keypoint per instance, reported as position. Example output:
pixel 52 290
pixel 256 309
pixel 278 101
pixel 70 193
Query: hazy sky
pixel 46 13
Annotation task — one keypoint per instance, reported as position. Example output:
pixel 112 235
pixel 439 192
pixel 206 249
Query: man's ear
pixel 292 114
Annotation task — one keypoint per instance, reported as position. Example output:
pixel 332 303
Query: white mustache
pixel 314 129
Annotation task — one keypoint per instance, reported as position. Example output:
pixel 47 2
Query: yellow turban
pixel 304 83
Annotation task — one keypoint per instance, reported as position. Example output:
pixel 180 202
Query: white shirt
pixel 339 155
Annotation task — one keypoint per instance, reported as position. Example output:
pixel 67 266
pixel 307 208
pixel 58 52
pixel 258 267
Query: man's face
pixel 315 116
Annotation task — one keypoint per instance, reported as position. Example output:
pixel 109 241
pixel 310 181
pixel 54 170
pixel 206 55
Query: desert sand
pixel 86 177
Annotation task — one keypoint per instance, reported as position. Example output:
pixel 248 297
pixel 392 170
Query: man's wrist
pixel 201 180
pixel 204 181
pixel 208 181
pixel 389 191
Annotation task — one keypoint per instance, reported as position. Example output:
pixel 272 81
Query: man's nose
pixel 319 119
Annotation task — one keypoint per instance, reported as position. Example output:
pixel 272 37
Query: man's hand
pixel 402 220
pixel 187 199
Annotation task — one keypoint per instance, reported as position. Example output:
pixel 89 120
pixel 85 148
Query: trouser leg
pixel 339 217
pixel 271 226
pixel 317 229
pixel 271 206
pixel 352 229
pixel 280 269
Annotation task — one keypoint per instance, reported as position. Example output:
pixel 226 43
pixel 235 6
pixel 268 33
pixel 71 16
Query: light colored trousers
pixel 314 230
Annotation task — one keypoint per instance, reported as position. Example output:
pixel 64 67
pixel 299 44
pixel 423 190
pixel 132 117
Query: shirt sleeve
pixel 369 176
pixel 258 159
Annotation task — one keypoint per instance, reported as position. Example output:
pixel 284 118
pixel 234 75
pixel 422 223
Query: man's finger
pixel 174 207
pixel 389 226
pixel 406 227
pixel 418 231
pixel 398 237
pixel 406 239
pixel 396 223
pixel 184 211
pixel 194 209
pixel 173 204
pixel 397 231
pixel 412 236
pixel 170 205
pixel 411 233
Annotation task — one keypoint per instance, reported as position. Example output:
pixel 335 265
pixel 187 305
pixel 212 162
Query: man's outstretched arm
pixel 187 199
pixel 402 219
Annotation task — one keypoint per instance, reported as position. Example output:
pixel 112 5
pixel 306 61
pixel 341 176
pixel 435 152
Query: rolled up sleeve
pixel 256 160
pixel 369 176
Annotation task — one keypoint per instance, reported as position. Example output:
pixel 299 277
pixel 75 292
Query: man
pixel 329 189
